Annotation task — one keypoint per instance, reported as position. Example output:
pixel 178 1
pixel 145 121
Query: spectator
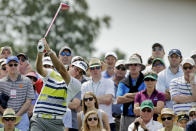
pixel 158 65
pixel 168 119
pixel 173 71
pixel 89 103
pixel 65 55
pixel 20 91
pixel 192 113
pixel 158 51
pixel 193 55
pixel 24 65
pixel 145 122
pixel 6 51
pixel 110 60
pixel 51 104
pixel 119 74
pixel 103 89
pixel 9 120
pixel 92 122
pixel 127 89
pixel 47 62
pixel 183 119
pixel 3 71
pixel 183 89
pixel 158 98
pixel 191 125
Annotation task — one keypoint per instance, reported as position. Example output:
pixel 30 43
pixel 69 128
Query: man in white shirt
pixel 103 89
pixel 145 122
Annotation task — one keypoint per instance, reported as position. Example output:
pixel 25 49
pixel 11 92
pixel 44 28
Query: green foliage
pixel 24 22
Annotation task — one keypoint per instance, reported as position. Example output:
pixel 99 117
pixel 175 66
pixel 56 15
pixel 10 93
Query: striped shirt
pixel 52 99
pixel 179 86
pixel 18 91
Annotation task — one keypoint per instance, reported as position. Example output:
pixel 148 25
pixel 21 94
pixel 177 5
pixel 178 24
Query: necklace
pixel 95 86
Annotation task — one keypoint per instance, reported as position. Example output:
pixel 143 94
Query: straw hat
pixel 9 112
pixel 167 111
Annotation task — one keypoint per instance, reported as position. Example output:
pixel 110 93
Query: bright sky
pixel 137 24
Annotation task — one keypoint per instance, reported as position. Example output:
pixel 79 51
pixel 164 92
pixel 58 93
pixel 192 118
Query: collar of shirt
pixel 18 79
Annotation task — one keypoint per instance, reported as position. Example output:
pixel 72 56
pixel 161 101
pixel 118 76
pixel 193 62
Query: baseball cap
pixel 22 54
pixel 183 117
pixel 77 58
pixel 2 61
pixel 157 45
pixel 47 61
pixel 12 58
pixel 111 54
pixel 175 51
pixel 158 59
pixel 81 64
pixel 192 109
pixel 193 53
pixel 65 48
pixel 189 61
pixel 147 103
pixel 33 74
pixel 94 62
pixel 151 75
pixel 120 62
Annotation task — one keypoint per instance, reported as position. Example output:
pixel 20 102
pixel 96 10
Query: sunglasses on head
pixel 146 110
pixel 192 114
pixel 96 67
pixel 10 65
pixel 90 99
pixel 9 118
pixel 22 59
pixel 121 68
pixel 149 79
pixel 157 49
pixel 188 67
pixel 93 118
pixel 65 53
pixel 166 118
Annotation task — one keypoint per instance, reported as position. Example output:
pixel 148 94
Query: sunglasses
pixel 157 49
pixel 32 78
pixel 157 64
pixel 3 68
pixel 121 68
pixel 149 79
pixel 9 118
pixel 65 53
pixel 188 67
pixel 146 110
pixel 90 99
pixel 93 118
pixel 166 118
pixel 22 59
pixel 133 64
pixel 192 114
pixel 96 67
pixel 47 66
pixel 10 65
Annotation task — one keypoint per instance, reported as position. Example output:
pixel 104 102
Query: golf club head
pixel 65 4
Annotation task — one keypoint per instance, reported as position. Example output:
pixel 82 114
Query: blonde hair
pixel 86 126
pixel 84 107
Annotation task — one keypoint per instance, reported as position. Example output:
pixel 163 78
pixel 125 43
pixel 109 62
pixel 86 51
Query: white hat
pixel 81 64
pixel 120 62
pixel 134 59
pixel 47 61
pixel 2 61
pixel 77 58
pixel 189 61
pixel 111 54
pixel 193 53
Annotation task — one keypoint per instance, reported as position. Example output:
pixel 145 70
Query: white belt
pixel 48 116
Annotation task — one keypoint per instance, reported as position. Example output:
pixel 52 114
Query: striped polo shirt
pixel 179 86
pixel 52 99
pixel 18 91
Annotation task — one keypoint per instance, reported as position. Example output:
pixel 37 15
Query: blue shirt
pixel 163 82
pixel 123 89
pixel 106 75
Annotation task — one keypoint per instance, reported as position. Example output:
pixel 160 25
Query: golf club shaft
pixel 52 21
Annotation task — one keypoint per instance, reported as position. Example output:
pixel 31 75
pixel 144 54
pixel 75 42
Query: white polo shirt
pixel 102 87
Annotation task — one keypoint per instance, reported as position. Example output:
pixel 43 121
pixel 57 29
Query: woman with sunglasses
pixel 92 122
pixel 168 119
pixel 150 93
pixel 9 120
pixel 90 103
